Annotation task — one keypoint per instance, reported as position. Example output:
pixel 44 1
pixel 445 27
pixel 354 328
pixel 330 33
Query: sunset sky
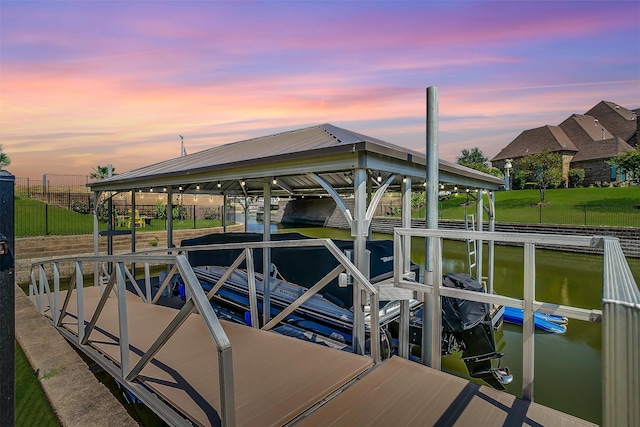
pixel 86 83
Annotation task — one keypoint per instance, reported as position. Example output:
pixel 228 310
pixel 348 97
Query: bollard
pixel 7 296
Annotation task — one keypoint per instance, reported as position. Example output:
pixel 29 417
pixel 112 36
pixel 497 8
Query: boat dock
pixel 279 380
pixel 192 368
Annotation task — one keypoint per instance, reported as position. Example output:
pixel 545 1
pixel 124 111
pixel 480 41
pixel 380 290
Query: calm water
pixel 567 366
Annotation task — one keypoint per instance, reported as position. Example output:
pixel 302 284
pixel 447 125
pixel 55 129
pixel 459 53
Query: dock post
pixel 266 252
pixel 403 334
pixel 430 352
pixel 7 296
pixel 169 217
pixel 359 233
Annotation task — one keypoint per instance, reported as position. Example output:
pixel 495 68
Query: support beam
pixel 334 195
pixel 169 217
pixel 96 236
pixel 403 339
pixel 224 212
pixel 266 252
pixel 133 221
pixel 491 246
pixel 358 232
pixel 479 227
pixel 373 204
pixel 431 218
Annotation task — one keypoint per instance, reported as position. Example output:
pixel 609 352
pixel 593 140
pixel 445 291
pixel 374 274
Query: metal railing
pixel 620 315
pixel 361 285
pixel 40 288
pixel 111 273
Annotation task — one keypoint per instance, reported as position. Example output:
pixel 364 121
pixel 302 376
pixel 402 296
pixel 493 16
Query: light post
pixel 507 177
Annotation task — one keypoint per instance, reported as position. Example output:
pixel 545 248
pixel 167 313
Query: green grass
pixel 32 406
pixel 575 206
pixel 35 218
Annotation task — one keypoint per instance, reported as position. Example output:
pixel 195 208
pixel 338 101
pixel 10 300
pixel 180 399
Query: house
pixel 585 141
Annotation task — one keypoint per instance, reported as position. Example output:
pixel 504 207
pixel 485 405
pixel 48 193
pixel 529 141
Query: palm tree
pixel 100 172
pixel 4 159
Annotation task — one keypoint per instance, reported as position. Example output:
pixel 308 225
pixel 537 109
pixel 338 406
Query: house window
pixel 622 171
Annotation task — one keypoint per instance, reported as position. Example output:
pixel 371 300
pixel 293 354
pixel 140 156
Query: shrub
pixel 80 207
pixel 211 214
pixel 576 176
pixel 160 210
pixel 102 212
pixel 179 212
pixel 418 200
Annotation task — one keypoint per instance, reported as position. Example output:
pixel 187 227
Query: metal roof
pixel 325 150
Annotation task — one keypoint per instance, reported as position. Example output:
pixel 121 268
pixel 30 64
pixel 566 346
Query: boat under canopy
pixel 327 317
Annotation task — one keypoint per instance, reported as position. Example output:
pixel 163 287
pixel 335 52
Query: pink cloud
pixel 86 84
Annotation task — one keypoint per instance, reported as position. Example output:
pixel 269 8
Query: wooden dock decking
pixel 280 380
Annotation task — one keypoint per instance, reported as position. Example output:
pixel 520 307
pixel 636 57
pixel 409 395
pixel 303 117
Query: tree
pixel 4 159
pixel 475 159
pixel 100 172
pixel 472 156
pixel 629 161
pixel 545 169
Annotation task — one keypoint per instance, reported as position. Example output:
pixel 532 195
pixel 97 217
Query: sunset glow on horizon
pixel 97 82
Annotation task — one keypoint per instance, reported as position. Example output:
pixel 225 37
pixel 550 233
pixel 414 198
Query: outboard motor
pixel 467 327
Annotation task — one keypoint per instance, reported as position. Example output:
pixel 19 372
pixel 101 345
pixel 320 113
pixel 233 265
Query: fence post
pixel 7 296
pixel 194 217
pixel 46 219
pixel 540 214
pixel 584 209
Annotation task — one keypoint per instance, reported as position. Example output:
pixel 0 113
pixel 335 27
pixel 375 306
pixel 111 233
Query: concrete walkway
pixel 75 394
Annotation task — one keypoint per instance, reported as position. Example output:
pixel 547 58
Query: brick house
pixel 585 141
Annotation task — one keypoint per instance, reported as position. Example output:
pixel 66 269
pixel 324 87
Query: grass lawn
pixel 32 405
pixel 35 218
pixel 579 206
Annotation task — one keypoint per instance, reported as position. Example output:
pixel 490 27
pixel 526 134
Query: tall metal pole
pixel 7 297
pixel 431 223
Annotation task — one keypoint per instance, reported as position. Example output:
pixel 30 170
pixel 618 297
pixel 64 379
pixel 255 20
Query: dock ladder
pixel 470 225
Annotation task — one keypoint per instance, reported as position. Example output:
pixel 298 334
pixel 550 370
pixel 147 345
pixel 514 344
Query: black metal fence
pixel 48 188
pixel 41 219
pixel 590 215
